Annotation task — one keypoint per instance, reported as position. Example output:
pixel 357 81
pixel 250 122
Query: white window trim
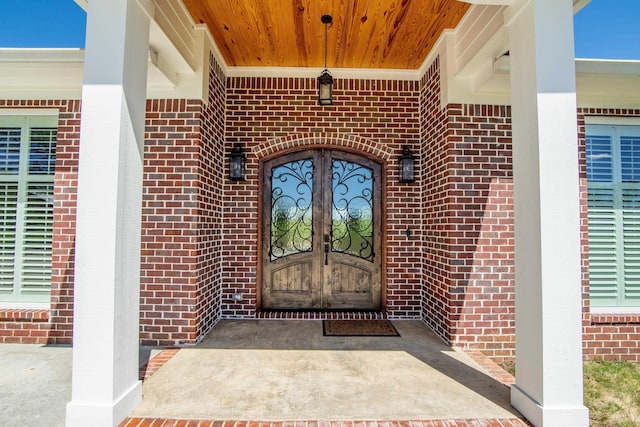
pixel 32 118
pixel 611 121
pixel 5 305
pixel 29 112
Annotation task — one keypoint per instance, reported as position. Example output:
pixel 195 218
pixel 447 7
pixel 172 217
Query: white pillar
pixel 105 386
pixel 548 389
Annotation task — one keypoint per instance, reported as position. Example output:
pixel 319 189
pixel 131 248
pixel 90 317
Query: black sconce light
pixel 325 80
pixel 407 163
pixel 236 163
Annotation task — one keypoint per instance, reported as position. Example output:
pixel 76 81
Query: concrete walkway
pixel 35 384
pixel 271 370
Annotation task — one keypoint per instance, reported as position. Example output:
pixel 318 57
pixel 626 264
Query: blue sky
pixel 604 29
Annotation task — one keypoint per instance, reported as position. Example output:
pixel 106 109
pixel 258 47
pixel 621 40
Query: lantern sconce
pixel 407 163
pixel 237 163
pixel 325 80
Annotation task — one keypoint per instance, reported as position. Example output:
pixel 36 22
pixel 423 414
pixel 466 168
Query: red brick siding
pixel 611 337
pixel 30 326
pixel 481 234
pixel 24 326
pixel 210 203
pixel 182 246
pixel 468 262
pixel 271 115
pixel 169 252
pixel 435 199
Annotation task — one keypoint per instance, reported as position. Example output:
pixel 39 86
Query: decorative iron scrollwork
pixel 291 209
pixel 352 209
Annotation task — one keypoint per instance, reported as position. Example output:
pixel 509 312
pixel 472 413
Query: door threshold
pixel 308 314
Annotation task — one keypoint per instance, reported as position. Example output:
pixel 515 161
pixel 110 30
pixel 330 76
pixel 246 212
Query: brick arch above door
pixel 362 145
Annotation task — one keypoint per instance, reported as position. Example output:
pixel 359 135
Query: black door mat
pixel 359 328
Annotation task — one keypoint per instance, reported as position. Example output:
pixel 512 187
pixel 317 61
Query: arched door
pixel 322 228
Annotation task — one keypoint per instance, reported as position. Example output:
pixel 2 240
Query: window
pixel 27 163
pixel 613 176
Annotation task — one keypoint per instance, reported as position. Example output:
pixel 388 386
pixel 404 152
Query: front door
pixel 321 240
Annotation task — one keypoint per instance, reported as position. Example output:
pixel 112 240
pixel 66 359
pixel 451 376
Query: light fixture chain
pixel 326 32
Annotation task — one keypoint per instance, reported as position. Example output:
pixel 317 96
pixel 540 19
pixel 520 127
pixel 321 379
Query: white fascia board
pixel 53 55
pixel 608 67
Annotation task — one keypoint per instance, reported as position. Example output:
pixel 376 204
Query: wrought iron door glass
pixel 291 209
pixel 352 209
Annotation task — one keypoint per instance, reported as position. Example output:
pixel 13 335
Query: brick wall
pixel 269 116
pixel 604 336
pixel 169 252
pixel 468 261
pixel 481 234
pixel 54 325
pixel 435 199
pixel 181 218
pixel 212 173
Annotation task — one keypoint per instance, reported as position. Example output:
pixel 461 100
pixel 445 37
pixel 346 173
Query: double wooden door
pixel 321 241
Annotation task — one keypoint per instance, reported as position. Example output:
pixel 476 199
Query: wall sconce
pixel 237 163
pixel 407 163
pixel 325 80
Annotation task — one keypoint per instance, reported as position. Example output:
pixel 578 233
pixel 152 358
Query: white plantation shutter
pixel 603 246
pixel 631 239
pixel 613 174
pixel 27 163
pixel 8 211
pixel 37 236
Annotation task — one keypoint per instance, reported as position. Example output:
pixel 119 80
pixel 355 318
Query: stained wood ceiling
pixel 394 34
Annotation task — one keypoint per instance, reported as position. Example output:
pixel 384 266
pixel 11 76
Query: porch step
pixel 321 314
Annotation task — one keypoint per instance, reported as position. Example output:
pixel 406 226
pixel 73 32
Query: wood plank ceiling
pixel 393 34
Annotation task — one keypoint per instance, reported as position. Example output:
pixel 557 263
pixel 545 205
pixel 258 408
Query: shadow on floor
pixel 287 369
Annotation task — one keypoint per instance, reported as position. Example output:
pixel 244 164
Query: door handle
pixel 326 249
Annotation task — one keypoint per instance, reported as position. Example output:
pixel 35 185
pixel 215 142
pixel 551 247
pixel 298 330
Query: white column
pixel 548 389
pixel 105 386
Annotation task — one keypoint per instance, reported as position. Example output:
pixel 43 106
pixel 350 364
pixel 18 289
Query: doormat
pixel 359 328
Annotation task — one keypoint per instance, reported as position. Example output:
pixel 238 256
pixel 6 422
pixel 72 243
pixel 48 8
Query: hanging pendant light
pixel 325 80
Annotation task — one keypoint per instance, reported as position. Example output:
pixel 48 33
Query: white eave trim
pixel 608 67
pixel 41 55
pixel 338 73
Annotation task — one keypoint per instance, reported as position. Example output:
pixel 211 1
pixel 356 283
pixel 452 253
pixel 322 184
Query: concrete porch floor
pixel 286 370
